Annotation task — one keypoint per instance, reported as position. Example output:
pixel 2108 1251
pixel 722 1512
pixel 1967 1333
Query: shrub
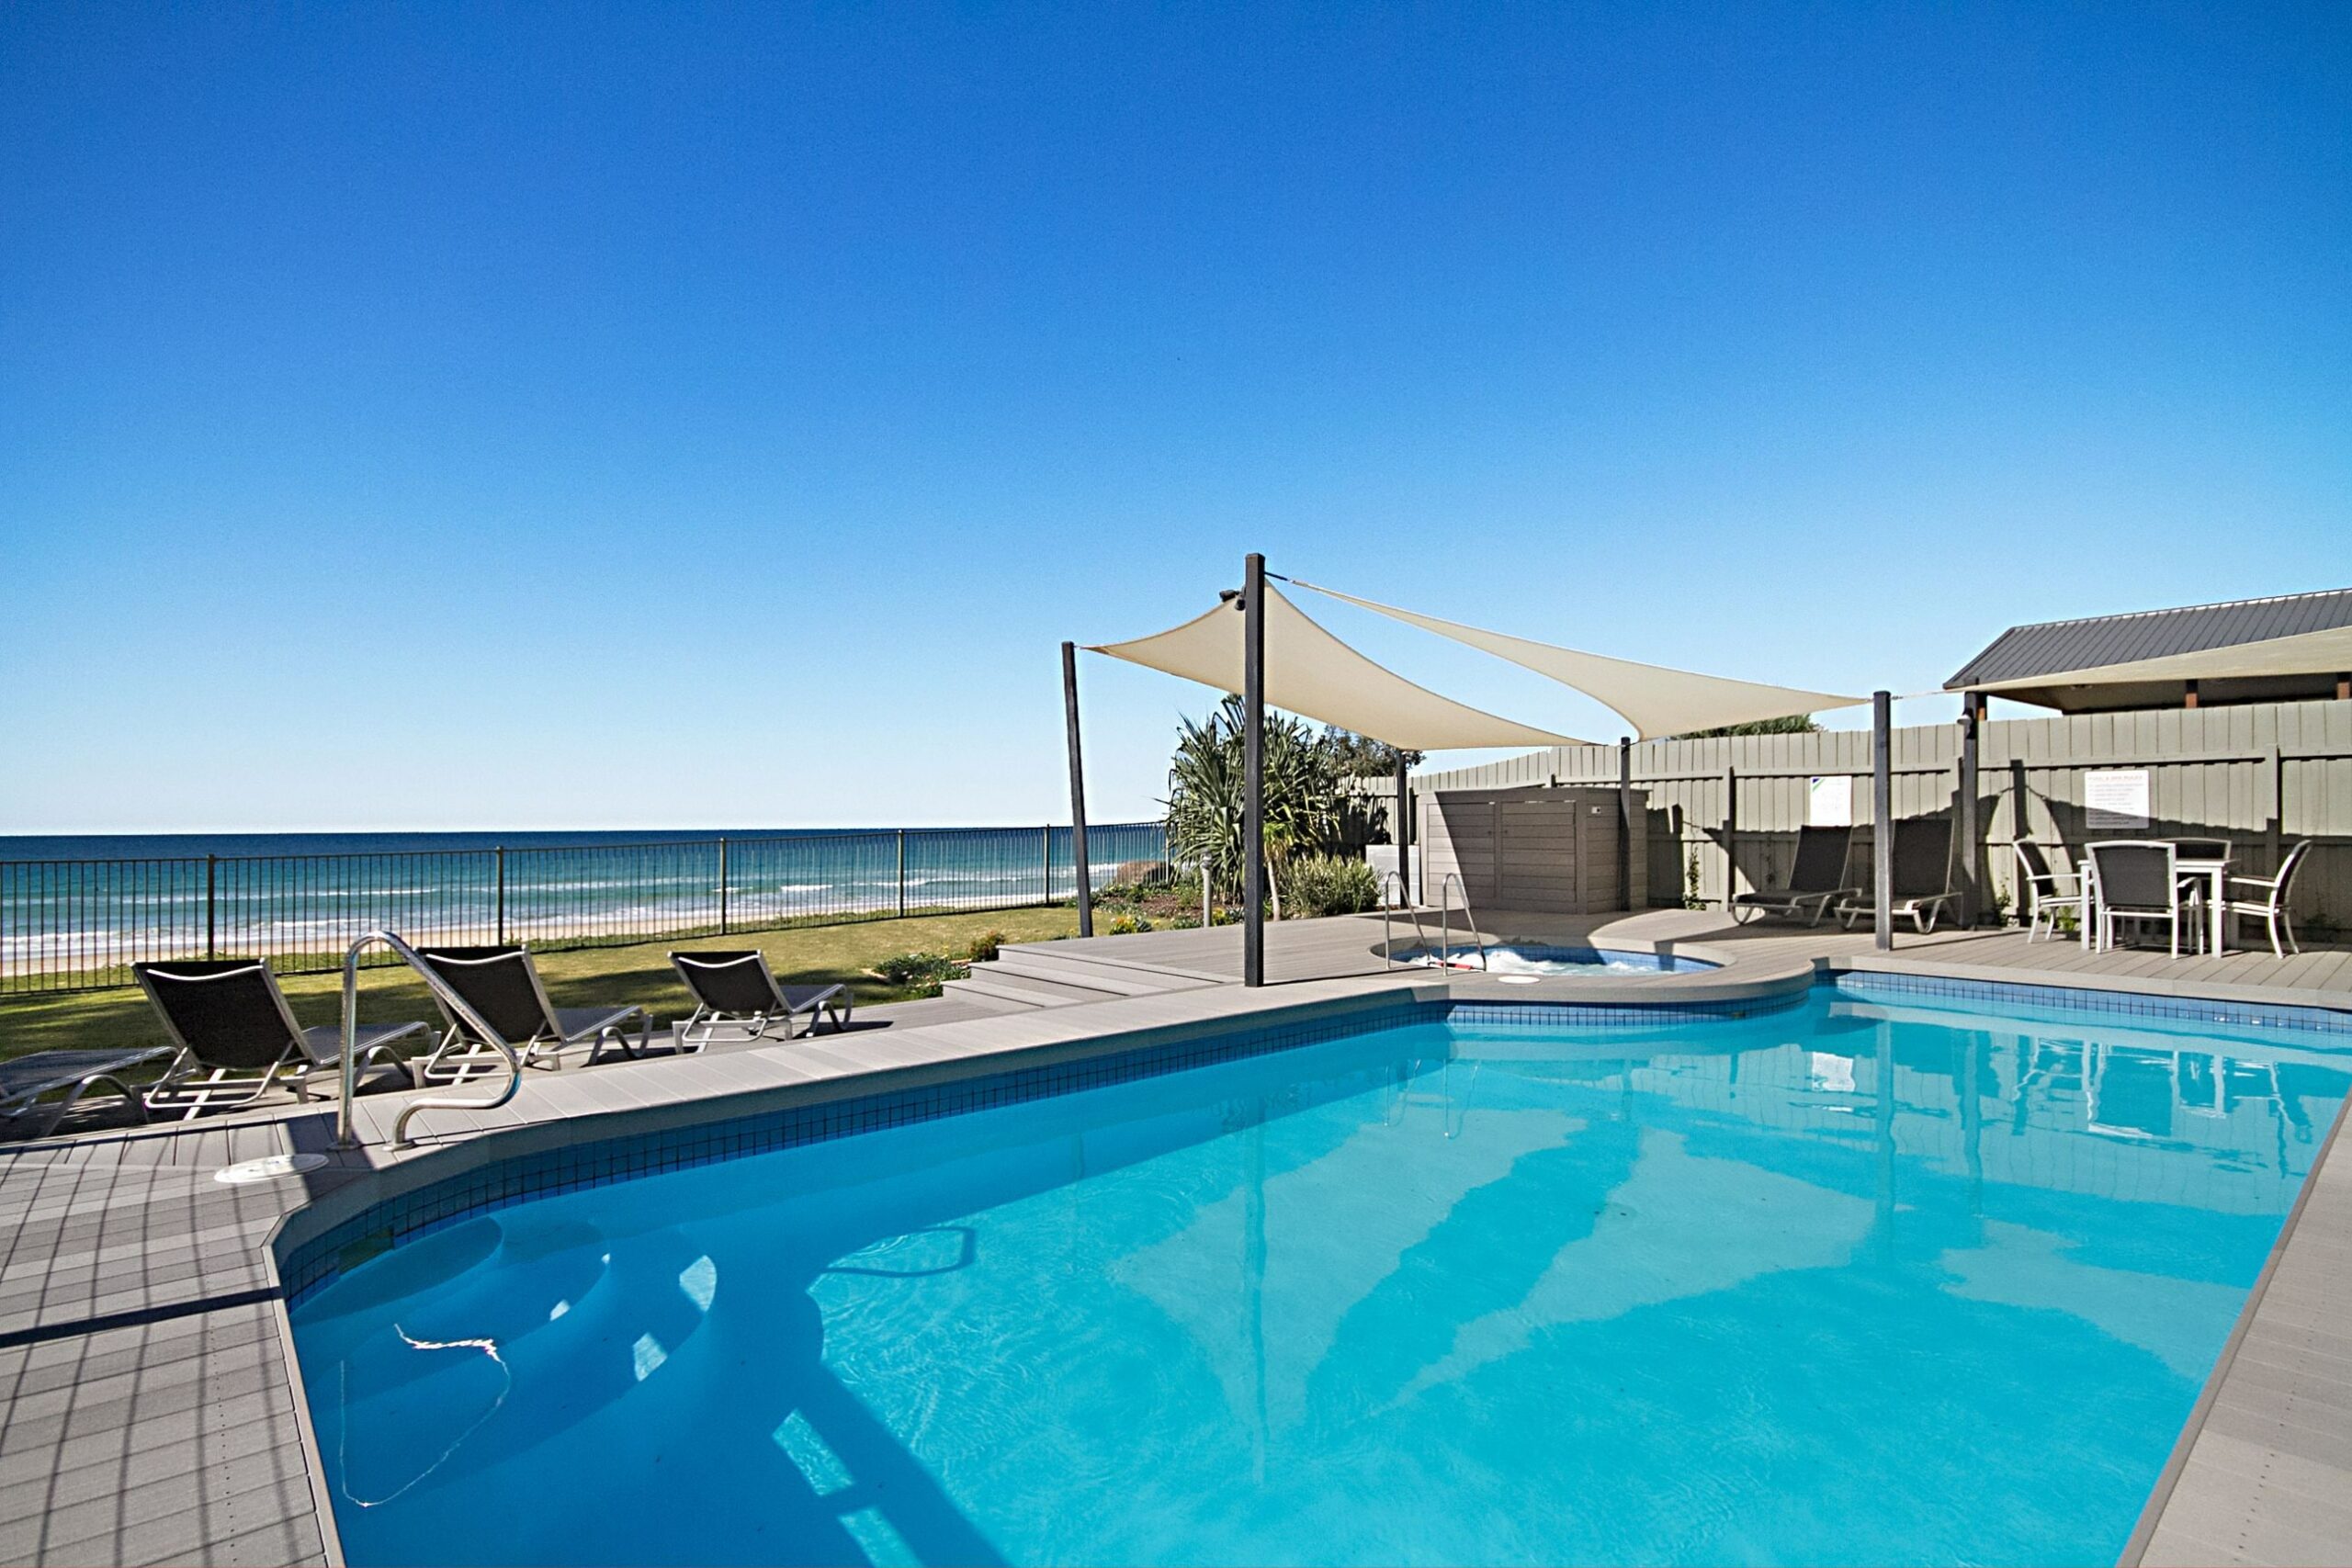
pixel 923 972
pixel 984 947
pixel 1127 924
pixel 1327 884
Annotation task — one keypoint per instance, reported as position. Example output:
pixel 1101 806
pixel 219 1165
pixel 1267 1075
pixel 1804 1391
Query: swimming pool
pixel 1547 961
pixel 1876 1276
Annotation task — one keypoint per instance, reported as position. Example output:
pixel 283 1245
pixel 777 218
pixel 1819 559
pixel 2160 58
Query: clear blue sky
pixel 486 416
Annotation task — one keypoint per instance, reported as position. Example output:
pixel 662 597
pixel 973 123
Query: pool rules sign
pixel 2115 799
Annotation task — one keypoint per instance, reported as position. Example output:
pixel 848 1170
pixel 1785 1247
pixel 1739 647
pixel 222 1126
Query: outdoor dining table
pixel 2214 871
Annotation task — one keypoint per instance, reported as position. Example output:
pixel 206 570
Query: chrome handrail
pixel 346 1135
pixel 1469 921
pixel 1387 929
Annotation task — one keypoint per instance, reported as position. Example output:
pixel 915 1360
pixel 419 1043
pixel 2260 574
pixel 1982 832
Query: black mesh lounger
pixel 740 986
pixel 502 985
pixel 26 1079
pixel 1817 881
pixel 1922 875
pixel 236 1037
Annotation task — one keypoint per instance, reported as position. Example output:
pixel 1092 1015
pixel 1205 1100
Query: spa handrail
pixel 1469 921
pixel 1404 902
pixel 346 1135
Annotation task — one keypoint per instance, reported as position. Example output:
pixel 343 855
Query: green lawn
pixel 578 977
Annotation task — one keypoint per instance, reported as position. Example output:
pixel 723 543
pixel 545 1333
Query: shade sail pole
pixel 1400 828
pixel 1882 819
pixel 1253 770
pixel 1624 820
pixel 1077 793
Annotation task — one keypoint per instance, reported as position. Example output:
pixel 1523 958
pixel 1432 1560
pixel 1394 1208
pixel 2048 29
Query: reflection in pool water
pixel 1849 1281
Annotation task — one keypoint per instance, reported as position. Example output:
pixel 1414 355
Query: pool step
pixel 991 980
pixel 1117 979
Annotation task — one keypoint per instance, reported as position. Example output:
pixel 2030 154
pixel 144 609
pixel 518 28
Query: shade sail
pixel 2307 653
pixel 1656 701
pixel 1312 673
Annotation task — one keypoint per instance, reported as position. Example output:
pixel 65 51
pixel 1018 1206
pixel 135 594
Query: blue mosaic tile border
pixel 1608 1015
pixel 549 1171
pixel 2077 998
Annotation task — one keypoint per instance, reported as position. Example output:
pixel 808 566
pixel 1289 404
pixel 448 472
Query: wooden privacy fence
pixel 2262 775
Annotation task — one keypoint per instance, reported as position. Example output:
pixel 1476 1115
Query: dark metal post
pixel 1731 837
pixel 722 887
pixel 902 873
pixel 500 854
pixel 1253 770
pixel 1882 819
pixel 1400 827
pixel 1625 820
pixel 1972 860
pixel 1077 793
pixel 211 884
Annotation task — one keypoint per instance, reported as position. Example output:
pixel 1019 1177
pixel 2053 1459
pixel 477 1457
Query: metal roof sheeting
pixel 2079 648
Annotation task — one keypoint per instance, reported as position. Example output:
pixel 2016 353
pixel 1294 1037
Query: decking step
pixel 1120 979
pixel 991 980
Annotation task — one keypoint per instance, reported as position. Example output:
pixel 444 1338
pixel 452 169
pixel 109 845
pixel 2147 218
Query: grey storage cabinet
pixel 1553 850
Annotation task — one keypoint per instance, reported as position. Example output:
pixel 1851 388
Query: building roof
pixel 2052 647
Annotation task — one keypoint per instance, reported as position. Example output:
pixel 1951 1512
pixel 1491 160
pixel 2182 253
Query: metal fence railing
pixel 74 925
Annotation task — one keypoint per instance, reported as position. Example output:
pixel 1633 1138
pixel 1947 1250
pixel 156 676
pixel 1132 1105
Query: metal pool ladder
pixel 346 1135
pixel 1387 932
pixel 1469 922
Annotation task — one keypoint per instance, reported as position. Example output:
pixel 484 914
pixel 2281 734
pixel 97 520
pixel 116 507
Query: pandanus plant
pixel 1206 786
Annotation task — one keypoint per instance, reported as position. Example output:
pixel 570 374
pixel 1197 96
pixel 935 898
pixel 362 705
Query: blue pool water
pixel 1856 1281
pixel 1535 960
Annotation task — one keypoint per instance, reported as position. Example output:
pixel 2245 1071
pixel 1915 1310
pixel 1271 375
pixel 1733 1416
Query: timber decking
pixel 150 1414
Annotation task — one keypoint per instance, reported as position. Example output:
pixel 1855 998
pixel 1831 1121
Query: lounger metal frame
pixel 461 1057
pixel 1921 909
pixel 229 1089
pixel 834 1000
pixel 1764 902
pixel 77 1072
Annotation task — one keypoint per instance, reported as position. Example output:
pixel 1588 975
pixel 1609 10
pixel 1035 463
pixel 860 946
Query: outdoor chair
pixel 2267 901
pixel 2139 880
pixel 502 985
pixel 2203 849
pixel 1922 875
pixel 24 1080
pixel 236 1038
pixel 2046 886
pixel 740 986
pixel 1817 880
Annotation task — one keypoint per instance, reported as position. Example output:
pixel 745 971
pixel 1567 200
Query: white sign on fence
pixel 1831 801
pixel 2115 799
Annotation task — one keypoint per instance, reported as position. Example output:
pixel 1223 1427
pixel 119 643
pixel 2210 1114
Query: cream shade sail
pixel 1312 673
pixel 1656 701
pixel 2306 653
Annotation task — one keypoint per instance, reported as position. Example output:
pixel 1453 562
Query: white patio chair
pixel 2268 903
pixel 2138 881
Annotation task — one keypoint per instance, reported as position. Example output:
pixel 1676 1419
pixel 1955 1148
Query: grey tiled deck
pixel 150 1414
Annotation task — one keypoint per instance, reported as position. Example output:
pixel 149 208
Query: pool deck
pixel 151 1414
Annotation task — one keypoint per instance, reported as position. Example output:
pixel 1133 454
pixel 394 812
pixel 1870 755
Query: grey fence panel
pixel 2262 775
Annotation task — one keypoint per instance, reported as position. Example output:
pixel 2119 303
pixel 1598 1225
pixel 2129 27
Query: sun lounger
pixel 740 986
pixel 502 985
pixel 24 1080
pixel 1922 875
pixel 1817 881
pixel 236 1038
